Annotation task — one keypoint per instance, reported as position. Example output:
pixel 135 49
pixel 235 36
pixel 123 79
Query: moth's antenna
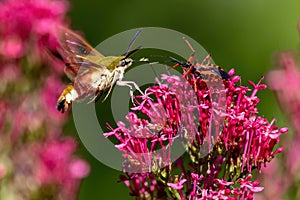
pixel 132 41
pixel 129 53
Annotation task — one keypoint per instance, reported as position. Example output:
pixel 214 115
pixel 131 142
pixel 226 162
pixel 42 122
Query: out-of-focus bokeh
pixel 245 35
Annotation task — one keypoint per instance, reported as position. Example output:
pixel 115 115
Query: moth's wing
pixel 77 52
pixel 75 44
pixel 88 80
pixel 81 64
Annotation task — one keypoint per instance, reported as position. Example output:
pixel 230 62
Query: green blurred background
pixel 244 35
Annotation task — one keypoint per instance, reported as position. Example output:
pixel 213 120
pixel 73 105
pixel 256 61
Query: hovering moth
pixel 91 72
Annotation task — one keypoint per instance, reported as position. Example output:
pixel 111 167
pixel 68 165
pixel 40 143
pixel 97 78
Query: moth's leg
pixel 127 83
pixel 112 83
pixel 96 97
pixel 110 88
pixel 64 101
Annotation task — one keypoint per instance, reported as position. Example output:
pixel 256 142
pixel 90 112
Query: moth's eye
pixel 122 63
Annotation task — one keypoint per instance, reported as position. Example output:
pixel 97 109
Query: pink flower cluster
pixel 28 25
pixel 63 169
pixel 32 148
pixel 199 115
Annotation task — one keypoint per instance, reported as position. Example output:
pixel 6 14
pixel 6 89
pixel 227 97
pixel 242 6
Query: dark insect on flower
pixel 205 71
pixel 91 72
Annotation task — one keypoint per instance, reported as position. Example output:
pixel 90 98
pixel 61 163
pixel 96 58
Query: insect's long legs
pixel 127 83
pixel 206 59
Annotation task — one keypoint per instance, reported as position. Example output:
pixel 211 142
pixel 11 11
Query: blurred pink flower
pixel 49 94
pixel 2 171
pixel 274 182
pixel 32 147
pixel 12 47
pixel 281 175
pixel 26 17
pixel 56 162
pixel 79 169
pixel 27 26
pixel 288 75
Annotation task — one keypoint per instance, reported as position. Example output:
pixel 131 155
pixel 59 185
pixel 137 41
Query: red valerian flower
pixel 220 128
pixel 177 186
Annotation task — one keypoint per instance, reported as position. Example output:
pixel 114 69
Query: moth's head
pixel 125 62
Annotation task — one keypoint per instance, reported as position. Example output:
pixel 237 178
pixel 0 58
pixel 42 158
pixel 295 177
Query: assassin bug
pixel 91 72
pixel 205 70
